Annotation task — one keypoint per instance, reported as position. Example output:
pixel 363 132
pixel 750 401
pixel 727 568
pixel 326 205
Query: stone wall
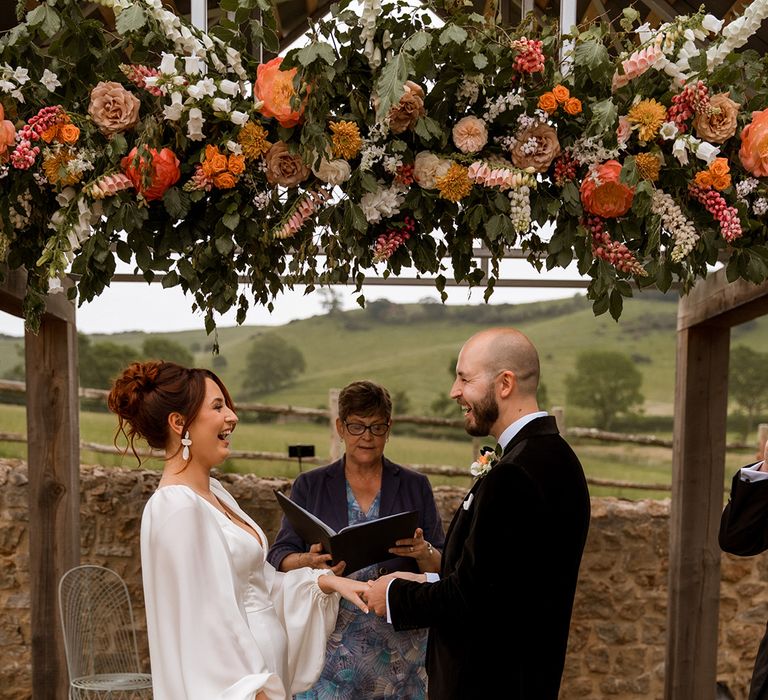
pixel 618 630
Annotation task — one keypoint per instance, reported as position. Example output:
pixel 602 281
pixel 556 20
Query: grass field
pixel 625 462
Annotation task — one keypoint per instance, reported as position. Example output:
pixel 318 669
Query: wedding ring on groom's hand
pixel 430 548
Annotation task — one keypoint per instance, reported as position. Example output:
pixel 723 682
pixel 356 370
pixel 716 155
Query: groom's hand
pixel 377 594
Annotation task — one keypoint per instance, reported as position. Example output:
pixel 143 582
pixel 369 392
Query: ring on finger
pixel 411 547
pixel 430 548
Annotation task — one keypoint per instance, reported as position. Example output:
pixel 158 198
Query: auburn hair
pixel 146 393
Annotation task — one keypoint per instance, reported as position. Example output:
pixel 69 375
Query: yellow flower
pixel 455 184
pixel 253 139
pixel 648 115
pixel 55 168
pixel 648 165
pixel 346 140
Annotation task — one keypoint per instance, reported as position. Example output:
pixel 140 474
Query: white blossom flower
pixel 193 65
pixel 168 64
pixel 382 204
pixel 173 111
pixel 221 104
pixel 234 147
pixel 195 124
pixel 50 80
pixel 202 88
pixel 707 152
pixel 333 172
pixel 680 151
pixel 54 285
pixel 712 23
pixel 668 131
pixel 21 75
pixel 229 87
pixel 239 118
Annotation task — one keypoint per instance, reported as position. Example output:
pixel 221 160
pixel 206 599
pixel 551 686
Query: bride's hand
pixel 348 588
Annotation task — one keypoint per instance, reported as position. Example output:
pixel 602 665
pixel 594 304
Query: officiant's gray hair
pixel 509 349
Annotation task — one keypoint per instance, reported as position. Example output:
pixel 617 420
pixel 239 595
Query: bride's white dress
pixel 222 623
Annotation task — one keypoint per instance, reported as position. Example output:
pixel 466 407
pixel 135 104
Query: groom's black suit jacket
pixel 499 616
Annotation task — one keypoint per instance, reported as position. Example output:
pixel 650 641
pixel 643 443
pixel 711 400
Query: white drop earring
pixel 186 442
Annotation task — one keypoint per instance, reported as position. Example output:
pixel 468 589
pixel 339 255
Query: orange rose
pixel 703 178
pixel 236 164
pixel 7 135
pixel 754 145
pixel 50 133
pixel 225 181
pixel 164 172
pixel 274 88
pixel 548 102
pixel 721 182
pixel 68 133
pixel 719 166
pixel 561 93
pixel 572 106
pixel 603 194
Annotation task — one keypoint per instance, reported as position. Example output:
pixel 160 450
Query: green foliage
pixel 102 361
pixel 271 364
pixel 167 350
pixel 748 383
pixel 606 383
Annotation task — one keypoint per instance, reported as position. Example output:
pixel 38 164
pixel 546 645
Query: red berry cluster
pixel 389 241
pixel 404 175
pixel 613 252
pixel 23 156
pixel 715 204
pixel 694 98
pixel 565 168
pixel 530 57
pixel 138 74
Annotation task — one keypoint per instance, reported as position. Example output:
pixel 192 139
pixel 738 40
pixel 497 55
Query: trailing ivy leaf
pixel 176 203
pixel 225 245
pixel 604 115
pixel 131 19
pixel 600 305
pixel 591 54
pixel 231 221
pixel 616 304
pixel 389 86
pixel 170 279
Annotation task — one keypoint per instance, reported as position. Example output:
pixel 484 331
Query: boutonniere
pixel 484 463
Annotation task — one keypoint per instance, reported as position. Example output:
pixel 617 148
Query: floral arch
pixel 390 140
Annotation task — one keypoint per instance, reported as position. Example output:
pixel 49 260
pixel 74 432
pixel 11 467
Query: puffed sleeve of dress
pixel 200 644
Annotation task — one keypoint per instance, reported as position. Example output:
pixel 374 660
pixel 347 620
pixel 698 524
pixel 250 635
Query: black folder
pixel 358 545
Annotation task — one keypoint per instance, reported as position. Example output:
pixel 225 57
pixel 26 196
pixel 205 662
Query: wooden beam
pixel 701 398
pixel 13 290
pixel 54 492
pixel 716 301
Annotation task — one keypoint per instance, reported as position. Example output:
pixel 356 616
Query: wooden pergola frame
pixel 705 318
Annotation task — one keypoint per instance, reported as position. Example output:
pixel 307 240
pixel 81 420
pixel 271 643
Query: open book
pixel 358 545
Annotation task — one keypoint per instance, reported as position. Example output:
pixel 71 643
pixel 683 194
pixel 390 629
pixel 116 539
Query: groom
pixel 498 617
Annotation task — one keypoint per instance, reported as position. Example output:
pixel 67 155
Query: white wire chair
pixel 99 637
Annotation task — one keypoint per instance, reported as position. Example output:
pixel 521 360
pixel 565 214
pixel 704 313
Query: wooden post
pixel 336 449
pixel 54 492
pixel 701 396
pixel 559 414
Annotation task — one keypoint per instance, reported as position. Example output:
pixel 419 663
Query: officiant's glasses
pixel 377 429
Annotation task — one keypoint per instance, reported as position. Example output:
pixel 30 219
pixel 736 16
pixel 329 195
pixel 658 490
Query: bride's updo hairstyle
pixel 146 393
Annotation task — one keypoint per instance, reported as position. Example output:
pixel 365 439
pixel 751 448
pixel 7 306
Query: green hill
pixel 409 348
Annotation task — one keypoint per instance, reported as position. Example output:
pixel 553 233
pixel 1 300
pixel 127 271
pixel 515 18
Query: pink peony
pixel 470 135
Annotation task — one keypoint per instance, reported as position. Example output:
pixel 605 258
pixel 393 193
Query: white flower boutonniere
pixel 484 463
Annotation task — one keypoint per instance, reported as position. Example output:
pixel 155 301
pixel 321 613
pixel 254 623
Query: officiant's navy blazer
pixel 323 492
pixel 499 616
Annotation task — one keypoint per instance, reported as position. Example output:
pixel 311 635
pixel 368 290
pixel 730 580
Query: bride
pixel 222 623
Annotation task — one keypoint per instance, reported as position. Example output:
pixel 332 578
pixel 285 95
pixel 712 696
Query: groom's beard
pixel 483 415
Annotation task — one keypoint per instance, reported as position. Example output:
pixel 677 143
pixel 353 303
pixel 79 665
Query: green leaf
pixel 390 84
pixel 480 60
pixel 604 115
pixel 417 42
pixel 131 19
pixel 231 221
pixel 590 54
pixel 616 304
pixel 51 22
pixel 453 33
pixel 170 279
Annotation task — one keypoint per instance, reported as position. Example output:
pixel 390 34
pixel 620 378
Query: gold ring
pixel 429 547
pixel 411 547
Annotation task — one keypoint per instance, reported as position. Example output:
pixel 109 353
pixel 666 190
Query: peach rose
pixel 164 172
pixel 113 108
pixel 561 93
pixel 753 153
pixel 572 106
pixel 535 147
pixel 603 194
pixel 274 88
pixel 69 133
pixel 7 135
pixel 720 124
pixel 428 169
pixel 283 167
pixel 624 130
pixel 470 134
pixel 409 110
pixel 548 102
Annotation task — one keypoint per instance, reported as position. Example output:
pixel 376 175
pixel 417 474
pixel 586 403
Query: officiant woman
pixel 365 657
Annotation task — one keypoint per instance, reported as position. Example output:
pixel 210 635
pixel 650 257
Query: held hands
pixel 356 592
pixel 377 590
